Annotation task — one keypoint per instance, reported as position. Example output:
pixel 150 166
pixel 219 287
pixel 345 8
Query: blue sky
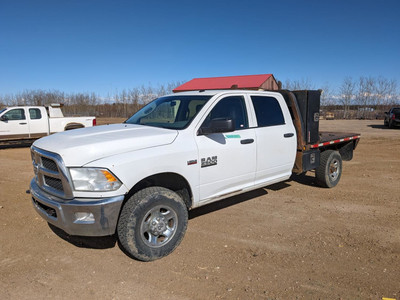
pixel 107 46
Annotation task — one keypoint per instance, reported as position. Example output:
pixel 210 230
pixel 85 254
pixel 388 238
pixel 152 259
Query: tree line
pixel 365 97
pixel 121 104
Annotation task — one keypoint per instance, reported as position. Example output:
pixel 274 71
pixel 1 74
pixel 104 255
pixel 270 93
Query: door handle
pixel 247 141
pixel 23 123
pixel 288 135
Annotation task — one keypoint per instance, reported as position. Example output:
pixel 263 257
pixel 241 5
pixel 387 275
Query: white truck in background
pixel 26 123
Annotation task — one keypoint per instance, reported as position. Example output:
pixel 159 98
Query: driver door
pixel 227 160
pixel 14 125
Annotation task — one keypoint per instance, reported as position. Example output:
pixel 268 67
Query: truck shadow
pixel 215 206
pixel 107 242
pixel 306 179
pixel 101 242
pixel 381 127
pixel 375 126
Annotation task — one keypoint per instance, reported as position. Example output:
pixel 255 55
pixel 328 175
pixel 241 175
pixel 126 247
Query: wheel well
pixel 345 149
pixel 172 181
pixel 71 126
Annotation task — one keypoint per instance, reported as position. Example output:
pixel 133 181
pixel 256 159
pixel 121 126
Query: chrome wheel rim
pixel 334 170
pixel 158 226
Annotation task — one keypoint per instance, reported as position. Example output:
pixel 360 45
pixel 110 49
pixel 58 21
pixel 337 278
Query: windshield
pixel 1 110
pixel 173 112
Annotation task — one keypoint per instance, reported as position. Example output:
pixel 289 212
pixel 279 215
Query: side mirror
pixel 4 118
pixel 218 126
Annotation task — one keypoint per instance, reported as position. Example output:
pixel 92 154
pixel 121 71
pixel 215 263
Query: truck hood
pixel 81 146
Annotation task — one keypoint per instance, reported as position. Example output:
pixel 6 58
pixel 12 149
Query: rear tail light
pixel 393 117
pixel 94 122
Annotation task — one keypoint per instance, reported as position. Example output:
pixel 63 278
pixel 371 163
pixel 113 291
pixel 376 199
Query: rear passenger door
pixel 276 139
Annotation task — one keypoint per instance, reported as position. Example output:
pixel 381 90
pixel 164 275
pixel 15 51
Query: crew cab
pixel 26 123
pixel 139 179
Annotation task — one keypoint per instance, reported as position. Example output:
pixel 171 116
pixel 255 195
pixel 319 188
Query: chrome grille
pixel 51 174
pixel 49 164
pixel 54 183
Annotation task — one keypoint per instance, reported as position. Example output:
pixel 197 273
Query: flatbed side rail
pixel 335 141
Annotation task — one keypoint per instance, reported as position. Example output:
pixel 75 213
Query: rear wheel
pixel 329 170
pixel 152 223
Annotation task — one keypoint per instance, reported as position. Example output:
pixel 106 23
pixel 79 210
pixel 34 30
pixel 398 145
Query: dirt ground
pixel 292 240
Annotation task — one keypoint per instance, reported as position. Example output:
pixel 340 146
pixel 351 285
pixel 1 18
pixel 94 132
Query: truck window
pixel 172 112
pixel 34 114
pixel 232 107
pixel 194 107
pixel 268 111
pixel 165 113
pixel 15 114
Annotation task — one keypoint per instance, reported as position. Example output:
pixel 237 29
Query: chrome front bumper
pixel 67 214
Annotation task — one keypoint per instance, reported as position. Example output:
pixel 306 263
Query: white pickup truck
pixel 25 123
pixel 139 179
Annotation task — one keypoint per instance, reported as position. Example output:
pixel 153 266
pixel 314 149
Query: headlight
pixel 94 180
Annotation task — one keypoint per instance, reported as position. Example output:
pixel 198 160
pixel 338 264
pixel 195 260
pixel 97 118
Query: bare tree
pixel 302 84
pixel 347 91
pixel 173 85
pixel 365 95
pixel 161 91
pixel 124 100
pixel 134 96
pixel 385 91
pixel 147 94
pixel 327 95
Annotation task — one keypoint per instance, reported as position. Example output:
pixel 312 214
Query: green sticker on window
pixel 232 136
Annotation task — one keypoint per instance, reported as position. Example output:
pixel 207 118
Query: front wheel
pixel 329 170
pixel 152 223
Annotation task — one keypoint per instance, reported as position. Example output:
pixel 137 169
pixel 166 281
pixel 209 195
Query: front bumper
pixel 65 214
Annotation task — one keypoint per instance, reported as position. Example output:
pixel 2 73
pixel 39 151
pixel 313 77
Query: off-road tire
pixel 152 223
pixel 329 170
